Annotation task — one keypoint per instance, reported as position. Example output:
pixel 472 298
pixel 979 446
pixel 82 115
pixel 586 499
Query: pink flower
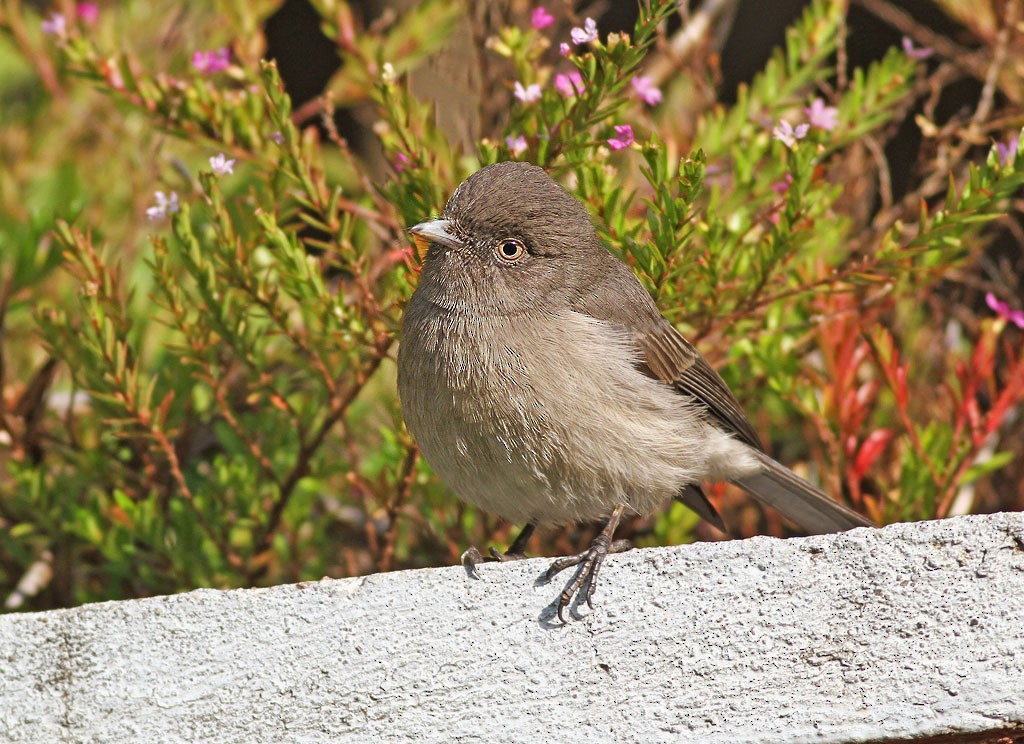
pixel 210 62
pixel 1008 151
pixel 645 90
pixel 586 34
pixel 917 53
pixel 1002 309
pixel 782 185
pixel 785 133
pixel 221 165
pixel 401 160
pixel 55 25
pixel 517 146
pixel 569 85
pixel 277 138
pixel 564 49
pixel 540 18
pixel 821 116
pixel 529 94
pixel 623 137
pixel 165 204
pixel 88 12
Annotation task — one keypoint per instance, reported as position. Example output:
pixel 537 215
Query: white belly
pixel 550 442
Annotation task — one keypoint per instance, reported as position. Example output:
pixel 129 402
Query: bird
pixel 542 383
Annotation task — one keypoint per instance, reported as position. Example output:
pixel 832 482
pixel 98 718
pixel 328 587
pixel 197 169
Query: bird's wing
pixel 667 356
pixel 663 353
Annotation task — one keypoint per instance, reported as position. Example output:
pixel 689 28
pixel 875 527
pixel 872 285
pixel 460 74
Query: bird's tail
pixel 808 507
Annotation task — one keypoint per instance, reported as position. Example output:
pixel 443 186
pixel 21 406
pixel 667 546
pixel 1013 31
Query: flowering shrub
pixel 201 287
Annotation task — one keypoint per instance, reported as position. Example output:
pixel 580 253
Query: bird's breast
pixel 545 417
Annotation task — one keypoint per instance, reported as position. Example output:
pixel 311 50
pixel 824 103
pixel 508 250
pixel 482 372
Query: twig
pixel 999 55
pixel 405 483
pixel 903 22
pixel 42 64
pixel 884 174
pixel 339 407
pixel 688 38
pixel 5 295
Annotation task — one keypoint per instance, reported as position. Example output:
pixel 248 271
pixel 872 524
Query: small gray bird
pixel 542 383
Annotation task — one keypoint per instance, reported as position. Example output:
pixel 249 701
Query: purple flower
pixel 517 145
pixel 540 18
pixel 165 204
pixel 1008 151
pixel 221 165
pixel 88 12
pixel 401 160
pixel 821 116
pixel 569 85
pixel 782 185
pixel 785 133
pixel 564 49
pixel 220 59
pixel 586 34
pixel 623 137
pixel 1002 309
pixel 55 25
pixel 645 90
pixel 917 53
pixel 529 94
pixel 277 137
pixel 210 62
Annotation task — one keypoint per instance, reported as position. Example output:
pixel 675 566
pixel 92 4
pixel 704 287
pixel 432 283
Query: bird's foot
pixel 589 562
pixel 473 557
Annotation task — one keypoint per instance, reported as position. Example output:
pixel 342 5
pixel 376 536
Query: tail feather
pixel 694 498
pixel 808 507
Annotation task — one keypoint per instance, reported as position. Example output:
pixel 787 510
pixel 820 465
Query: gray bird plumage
pixel 542 383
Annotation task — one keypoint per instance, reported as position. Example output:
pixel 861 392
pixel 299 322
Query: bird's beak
pixel 436 231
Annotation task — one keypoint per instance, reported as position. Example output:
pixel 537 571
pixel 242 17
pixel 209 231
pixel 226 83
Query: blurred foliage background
pixel 203 259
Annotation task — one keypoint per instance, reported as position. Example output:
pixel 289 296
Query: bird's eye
pixel 510 250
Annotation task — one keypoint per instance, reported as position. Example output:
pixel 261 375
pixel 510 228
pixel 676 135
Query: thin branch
pixel 903 22
pixel 338 408
pixel 407 477
pixel 884 174
pixel 689 38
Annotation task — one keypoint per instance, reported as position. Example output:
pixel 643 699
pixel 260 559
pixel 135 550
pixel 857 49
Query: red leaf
pixel 870 450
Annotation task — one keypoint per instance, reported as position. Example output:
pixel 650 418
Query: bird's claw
pixel 505 557
pixel 589 562
pixel 472 558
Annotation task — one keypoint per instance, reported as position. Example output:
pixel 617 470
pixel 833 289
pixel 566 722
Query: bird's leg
pixel 589 562
pixel 516 551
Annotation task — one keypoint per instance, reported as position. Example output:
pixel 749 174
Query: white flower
pixel 528 94
pixel 586 34
pixel 517 146
pixel 221 165
pixel 785 133
pixel 165 204
pixel 55 25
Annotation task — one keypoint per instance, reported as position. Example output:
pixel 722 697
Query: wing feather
pixel 619 298
pixel 669 357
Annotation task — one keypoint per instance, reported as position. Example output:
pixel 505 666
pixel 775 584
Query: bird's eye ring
pixel 510 250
